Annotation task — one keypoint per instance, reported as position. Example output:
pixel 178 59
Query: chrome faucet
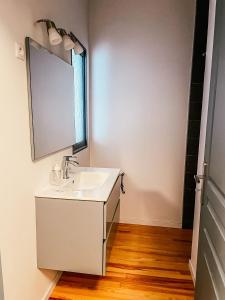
pixel 65 164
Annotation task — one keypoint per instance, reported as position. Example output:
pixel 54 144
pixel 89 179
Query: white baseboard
pixel 152 222
pixel 192 271
pixel 52 286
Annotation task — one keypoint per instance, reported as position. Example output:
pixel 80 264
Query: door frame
pixel 203 129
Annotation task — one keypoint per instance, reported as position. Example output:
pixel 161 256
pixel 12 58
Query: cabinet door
pixel 70 235
pixel 108 243
pixel 110 207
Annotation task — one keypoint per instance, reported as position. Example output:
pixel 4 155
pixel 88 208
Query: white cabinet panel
pixel 69 235
pixel 76 235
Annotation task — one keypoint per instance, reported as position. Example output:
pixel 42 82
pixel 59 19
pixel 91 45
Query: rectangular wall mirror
pixel 51 101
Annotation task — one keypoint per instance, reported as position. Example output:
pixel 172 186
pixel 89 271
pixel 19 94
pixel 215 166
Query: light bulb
pixel 78 48
pixel 67 42
pixel 54 37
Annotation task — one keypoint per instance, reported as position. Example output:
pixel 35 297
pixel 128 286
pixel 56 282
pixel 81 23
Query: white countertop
pixel 99 193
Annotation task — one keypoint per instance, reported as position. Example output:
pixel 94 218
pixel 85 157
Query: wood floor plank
pixel 146 263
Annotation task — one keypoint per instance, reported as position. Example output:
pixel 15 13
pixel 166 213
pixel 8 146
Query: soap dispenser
pixel 55 177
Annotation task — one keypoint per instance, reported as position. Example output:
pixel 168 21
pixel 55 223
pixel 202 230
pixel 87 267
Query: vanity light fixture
pixel 54 37
pixel 57 35
pixel 67 41
pixel 78 48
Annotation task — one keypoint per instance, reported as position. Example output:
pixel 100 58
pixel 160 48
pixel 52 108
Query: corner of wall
pixel 52 286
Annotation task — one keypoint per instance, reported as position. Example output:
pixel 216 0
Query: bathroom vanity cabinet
pixel 76 235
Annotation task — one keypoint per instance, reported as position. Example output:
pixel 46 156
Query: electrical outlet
pixel 19 51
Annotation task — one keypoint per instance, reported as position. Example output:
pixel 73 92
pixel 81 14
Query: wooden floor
pixel 146 263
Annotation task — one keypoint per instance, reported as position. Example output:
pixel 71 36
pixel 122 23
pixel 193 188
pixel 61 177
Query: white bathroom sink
pixel 87 180
pixel 85 183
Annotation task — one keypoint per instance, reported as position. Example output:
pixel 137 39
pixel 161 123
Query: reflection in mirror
pixel 51 99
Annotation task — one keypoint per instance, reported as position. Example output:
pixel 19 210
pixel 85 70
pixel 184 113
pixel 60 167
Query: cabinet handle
pixel 122 183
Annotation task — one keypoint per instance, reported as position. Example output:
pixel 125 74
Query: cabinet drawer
pixel 108 243
pixel 110 207
pixel 69 235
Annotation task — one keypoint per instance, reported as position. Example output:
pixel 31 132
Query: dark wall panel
pixel 195 107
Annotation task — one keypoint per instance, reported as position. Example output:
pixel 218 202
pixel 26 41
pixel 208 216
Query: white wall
pixel 141 54
pixel 1 283
pixel 19 175
pixel 208 64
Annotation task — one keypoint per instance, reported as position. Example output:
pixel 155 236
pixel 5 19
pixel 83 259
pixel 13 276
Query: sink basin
pixel 86 180
pixel 85 183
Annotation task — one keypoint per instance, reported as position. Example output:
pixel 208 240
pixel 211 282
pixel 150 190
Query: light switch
pixel 19 51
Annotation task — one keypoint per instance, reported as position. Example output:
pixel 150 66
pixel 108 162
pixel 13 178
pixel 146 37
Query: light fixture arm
pixel 62 31
pixel 43 20
pixel 79 48
pixel 49 23
pixel 73 38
